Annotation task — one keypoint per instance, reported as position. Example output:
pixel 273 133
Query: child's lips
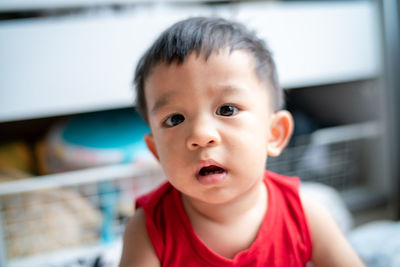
pixel 210 172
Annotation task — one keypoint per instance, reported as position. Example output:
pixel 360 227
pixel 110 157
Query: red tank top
pixel 283 238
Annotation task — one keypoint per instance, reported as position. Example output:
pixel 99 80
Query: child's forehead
pixel 203 59
pixel 222 73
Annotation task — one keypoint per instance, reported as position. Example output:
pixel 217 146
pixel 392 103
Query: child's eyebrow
pixel 229 89
pixel 162 101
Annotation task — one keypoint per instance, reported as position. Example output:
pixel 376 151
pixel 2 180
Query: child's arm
pixel 137 248
pixel 330 247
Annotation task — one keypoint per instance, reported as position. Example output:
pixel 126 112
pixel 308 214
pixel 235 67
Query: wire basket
pixel 334 156
pixel 44 215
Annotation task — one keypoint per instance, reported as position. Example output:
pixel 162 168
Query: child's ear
pixel 280 130
pixel 148 138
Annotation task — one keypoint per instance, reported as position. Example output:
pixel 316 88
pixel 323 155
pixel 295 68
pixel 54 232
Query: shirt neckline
pixel 212 257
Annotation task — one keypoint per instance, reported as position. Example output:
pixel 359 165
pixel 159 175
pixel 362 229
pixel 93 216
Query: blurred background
pixel 72 158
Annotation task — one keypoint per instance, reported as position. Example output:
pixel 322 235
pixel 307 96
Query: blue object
pixel 117 129
pixel 108 196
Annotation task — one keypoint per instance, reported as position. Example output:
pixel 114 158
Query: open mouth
pixel 210 170
pixel 211 173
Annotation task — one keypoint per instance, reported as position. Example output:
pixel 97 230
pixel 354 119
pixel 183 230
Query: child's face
pixel 210 123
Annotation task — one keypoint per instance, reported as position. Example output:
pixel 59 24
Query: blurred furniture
pixel 56 65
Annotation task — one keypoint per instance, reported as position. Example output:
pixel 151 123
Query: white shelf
pixel 318 43
pixel 19 5
pixel 78 177
pixel 57 66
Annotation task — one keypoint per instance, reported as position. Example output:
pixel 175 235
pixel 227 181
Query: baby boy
pixel 208 89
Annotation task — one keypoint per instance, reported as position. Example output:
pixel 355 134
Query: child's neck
pixel 215 224
pixel 254 199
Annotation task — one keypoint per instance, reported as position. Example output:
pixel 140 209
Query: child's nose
pixel 203 134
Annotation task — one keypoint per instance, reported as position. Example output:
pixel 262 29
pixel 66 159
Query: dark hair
pixel 205 35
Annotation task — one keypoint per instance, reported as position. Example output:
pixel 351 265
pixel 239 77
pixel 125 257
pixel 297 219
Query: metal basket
pixel 53 213
pixel 331 156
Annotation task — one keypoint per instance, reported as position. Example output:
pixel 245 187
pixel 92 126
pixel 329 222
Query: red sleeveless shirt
pixel 283 238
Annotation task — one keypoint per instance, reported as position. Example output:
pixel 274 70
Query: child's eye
pixel 174 120
pixel 227 110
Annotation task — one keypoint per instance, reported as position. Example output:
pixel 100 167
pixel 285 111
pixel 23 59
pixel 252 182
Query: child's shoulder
pixel 137 247
pixel 330 247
